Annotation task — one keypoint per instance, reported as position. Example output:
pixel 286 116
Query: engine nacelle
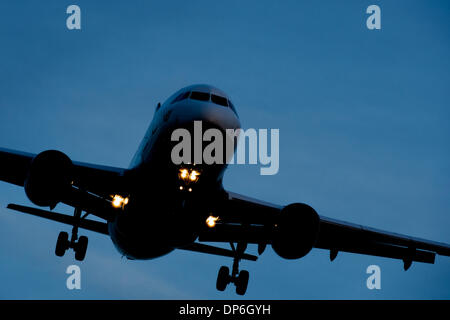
pixel 296 231
pixel 49 178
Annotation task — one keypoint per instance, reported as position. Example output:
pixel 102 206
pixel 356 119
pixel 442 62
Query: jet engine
pixel 49 178
pixel 296 231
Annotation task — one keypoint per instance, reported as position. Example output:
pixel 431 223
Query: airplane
pixel 155 206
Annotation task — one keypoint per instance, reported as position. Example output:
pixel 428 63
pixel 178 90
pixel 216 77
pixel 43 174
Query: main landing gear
pixel 240 279
pixel 79 245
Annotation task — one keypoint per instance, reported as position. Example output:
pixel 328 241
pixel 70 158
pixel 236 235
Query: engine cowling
pixel 296 231
pixel 49 178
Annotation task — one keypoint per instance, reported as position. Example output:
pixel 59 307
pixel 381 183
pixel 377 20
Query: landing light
pixel 119 201
pixel 211 221
pixel 184 173
pixel 188 175
pixel 194 175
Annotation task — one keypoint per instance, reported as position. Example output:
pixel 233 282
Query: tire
pixel 61 244
pixel 81 248
pixel 242 282
pixel 223 278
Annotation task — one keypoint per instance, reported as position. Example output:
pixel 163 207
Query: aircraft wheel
pixel 223 278
pixel 81 247
pixel 62 244
pixel 242 282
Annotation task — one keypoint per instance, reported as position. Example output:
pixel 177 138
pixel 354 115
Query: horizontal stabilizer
pixel 90 225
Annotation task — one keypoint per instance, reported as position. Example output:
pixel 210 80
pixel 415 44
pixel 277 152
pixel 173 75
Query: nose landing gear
pixel 79 245
pixel 240 279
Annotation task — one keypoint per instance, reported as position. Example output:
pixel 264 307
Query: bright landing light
pixel 211 221
pixel 119 201
pixel 184 173
pixel 188 175
pixel 194 175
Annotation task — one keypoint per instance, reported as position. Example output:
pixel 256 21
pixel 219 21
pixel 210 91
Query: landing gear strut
pixel 79 245
pixel 240 279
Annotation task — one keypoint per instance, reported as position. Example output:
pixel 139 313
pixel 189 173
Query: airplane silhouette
pixel 156 206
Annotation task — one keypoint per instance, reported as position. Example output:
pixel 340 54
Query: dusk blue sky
pixel 363 118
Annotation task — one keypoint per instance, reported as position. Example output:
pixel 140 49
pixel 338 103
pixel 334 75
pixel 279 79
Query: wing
pixel 100 182
pixel 243 219
pixel 14 167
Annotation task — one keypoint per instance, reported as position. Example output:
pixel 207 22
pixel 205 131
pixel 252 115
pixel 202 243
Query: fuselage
pixel 164 211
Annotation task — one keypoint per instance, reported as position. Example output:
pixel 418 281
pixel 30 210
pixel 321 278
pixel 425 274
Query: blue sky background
pixel 363 118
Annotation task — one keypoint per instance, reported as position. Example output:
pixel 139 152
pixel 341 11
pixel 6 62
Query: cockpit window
pixel 232 106
pixel 219 100
pixel 181 96
pixel 202 96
